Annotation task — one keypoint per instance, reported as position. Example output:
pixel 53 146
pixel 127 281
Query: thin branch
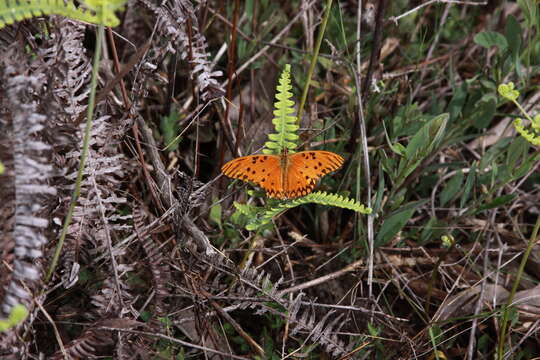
pixel 407 13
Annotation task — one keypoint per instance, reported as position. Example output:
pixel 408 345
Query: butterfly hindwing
pixel 306 167
pixel 263 170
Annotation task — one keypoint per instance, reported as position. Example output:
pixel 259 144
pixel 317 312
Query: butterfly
pixel 284 176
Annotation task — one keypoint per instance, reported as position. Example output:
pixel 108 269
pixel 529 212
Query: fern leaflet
pixel 94 11
pixel 284 122
pixel 318 197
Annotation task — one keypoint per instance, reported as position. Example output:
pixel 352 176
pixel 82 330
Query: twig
pixel 313 61
pixel 431 49
pixel 55 329
pixel 175 341
pixel 363 135
pixel 323 279
pixel 376 50
pixel 273 41
pixel 396 18
pixel 254 345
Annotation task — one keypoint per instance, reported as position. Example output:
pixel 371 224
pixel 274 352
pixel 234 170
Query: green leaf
pixel 422 145
pixel 488 39
pixel 216 212
pixel 428 137
pixel 513 35
pixel 373 330
pixel 397 148
pixel 488 159
pixel 380 191
pixel 501 200
pixel 525 167
pixel 394 223
pixel 2 168
pixel 432 230
pixel 452 188
pixel 458 100
pixel 484 113
pixel 16 316
pixel 517 150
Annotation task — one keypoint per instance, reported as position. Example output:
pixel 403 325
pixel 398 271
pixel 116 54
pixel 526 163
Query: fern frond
pixel 318 197
pixel 95 11
pixel 531 134
pixel 284 122
pixel 246 209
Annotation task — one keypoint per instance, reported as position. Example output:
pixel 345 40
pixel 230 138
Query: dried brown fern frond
pixel 177 22
pixel 30 172
pixel 94 340
pixel 155 261
pixel 316 328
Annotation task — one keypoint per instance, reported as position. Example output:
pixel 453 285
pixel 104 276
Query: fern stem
pixel 84 153
pixel 314 60
pixel 504 321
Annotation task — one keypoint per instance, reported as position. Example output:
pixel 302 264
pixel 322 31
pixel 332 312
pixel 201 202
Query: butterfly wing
pixel 306 167
pixel 263 170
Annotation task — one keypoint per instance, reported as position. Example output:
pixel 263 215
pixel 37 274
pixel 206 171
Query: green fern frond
pixel 318 197
pixel 247 210
pixel 95 11
pixel 284 122
pixel 532 134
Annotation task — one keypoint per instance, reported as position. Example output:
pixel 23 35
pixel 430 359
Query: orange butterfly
pixel 284 176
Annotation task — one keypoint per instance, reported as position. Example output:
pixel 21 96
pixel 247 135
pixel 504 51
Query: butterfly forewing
pixel 263 170
pixel 306 167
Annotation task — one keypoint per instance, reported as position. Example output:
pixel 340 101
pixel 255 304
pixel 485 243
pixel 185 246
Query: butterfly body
pixel 287 175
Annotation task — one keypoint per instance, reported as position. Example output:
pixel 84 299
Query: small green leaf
pixel 458 100
pixel 432 230
pixel 398 148
pixel 215 212
pixel 16 316
pixel 2 168
pixel 525 167
pixel 513 315
pixel 517 150
pixel 484 113
pixel 490 156
pixel 452 188
pixel 373 330
pixel 392 225
pixel 380 191
pixel 488 39
pixel 422 145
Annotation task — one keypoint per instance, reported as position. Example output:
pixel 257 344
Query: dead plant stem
pixel 505 310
